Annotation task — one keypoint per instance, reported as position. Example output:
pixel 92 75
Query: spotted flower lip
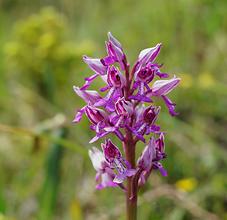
pixel 126 107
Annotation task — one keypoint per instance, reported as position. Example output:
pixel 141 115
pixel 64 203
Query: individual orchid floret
pixel 149 159
pixel 146 122
pixel 116 81
pixel 115 53
pixel 120 118
pixel 105 174
pixel 145 71
pixel 160 154
pixel 100 123
pixel 89 96
pixel 161 88
pixel 114 157
pixel 145 160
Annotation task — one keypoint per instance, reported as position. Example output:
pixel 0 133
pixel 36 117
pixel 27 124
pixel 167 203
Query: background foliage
pixel 45 170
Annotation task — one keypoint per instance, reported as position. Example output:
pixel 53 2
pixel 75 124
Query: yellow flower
pixel 187 184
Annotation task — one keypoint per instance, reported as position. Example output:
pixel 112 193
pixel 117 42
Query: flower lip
pixel 146 74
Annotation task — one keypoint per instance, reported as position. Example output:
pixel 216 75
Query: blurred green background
pixel 45 172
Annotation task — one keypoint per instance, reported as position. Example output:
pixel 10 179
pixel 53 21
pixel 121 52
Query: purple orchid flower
pixel 125 111
pixel 105 174
pixel 145 123
pixel 145 71
pixel 150 157
pixel 161 88
pixel 116 82
pixel 114 157
pixel 115 53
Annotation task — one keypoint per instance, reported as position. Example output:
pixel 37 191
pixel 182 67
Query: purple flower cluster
pixel 127 106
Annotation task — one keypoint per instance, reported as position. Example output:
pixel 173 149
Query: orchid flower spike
pixel 126 108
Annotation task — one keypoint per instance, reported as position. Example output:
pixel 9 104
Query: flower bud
pixel 160 147
pixel 145 160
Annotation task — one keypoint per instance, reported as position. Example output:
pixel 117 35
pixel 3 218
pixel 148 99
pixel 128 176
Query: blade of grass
pixel 49 193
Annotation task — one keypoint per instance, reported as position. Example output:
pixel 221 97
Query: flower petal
pixel 89 96
pixel 97 158
pixel 149 54
pixel 163 87
pixel 95 65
